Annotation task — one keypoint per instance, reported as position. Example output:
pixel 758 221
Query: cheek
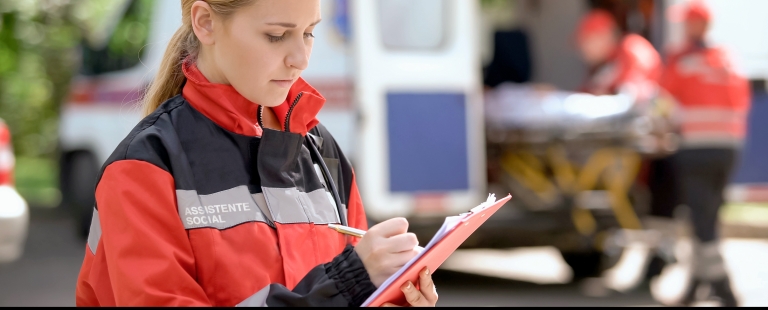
pixel 588 51
pixel 247 58
pixel 251 64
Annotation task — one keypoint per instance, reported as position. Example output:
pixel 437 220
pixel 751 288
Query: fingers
pixel 391 227
pixel 427 286
pixel 389 305
pixel 426 295
pixel 413 296
pixel 403 243
pixel 398 260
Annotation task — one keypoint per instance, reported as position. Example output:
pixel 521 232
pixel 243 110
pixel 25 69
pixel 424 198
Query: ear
pixel 202 22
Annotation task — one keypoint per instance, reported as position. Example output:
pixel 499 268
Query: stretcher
pixel 558 150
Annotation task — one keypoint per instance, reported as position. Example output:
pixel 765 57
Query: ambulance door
pixel 420 149
pixel 330 72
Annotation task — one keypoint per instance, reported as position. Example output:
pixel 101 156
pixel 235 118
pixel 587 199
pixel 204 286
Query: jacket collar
pixel 227 108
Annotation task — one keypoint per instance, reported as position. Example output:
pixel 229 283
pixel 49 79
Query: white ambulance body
pixel 368 59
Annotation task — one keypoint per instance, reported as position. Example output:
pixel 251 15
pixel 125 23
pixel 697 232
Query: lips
pixel 283 83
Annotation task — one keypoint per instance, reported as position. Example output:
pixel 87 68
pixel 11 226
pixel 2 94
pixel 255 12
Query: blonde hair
pixel 170 79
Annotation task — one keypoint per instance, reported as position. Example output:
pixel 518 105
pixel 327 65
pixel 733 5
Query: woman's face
pixel 695 29
pixel 262 49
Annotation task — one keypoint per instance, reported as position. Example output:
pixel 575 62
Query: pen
pixel 347 230
pixel 357 233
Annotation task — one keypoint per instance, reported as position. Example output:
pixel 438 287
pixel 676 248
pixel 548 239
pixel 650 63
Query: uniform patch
pixel 220 210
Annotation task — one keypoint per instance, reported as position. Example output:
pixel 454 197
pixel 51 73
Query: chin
pixel 269 100
pixel 272 103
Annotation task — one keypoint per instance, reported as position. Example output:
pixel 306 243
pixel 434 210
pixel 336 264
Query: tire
pixel 78 190
pixel 585 264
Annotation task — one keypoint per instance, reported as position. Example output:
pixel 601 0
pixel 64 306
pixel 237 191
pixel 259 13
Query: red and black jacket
pixel 714 97
pixel 200 205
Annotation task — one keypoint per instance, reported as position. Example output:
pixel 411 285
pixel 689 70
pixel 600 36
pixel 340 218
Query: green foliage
pixel 38 56
pixel 37 181
pixel 132 31
pixel 39 42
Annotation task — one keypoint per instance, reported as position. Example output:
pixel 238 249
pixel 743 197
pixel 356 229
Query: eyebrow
pixel 291 25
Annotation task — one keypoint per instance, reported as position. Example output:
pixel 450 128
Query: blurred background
pixel 437 103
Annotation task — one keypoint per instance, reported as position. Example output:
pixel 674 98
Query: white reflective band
pixel 220 210
pixel 715 115
pixel 7 161
pixel 262 203
pixel 256 300
pixel 289 206
pixel 94 235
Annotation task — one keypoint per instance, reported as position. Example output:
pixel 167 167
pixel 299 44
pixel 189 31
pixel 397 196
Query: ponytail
pixel 170 79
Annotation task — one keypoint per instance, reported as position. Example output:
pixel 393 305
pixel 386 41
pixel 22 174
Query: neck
pixel 209 70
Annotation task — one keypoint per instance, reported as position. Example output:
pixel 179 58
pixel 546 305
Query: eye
pixel 309 35
pixel 276 38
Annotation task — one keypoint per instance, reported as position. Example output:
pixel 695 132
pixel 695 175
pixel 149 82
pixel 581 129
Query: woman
pixel 220 196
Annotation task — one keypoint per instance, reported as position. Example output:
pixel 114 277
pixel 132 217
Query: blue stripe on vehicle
pixel 427 135
pixel 753 168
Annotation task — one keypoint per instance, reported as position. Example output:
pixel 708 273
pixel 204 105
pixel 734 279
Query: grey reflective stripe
pixel 256 300
pixel 262 203
pixel 320 176
pixel 321 208
pixel 344 210
pixel 318 140
pixel 220 210
pixel 289 206
pixel 94 235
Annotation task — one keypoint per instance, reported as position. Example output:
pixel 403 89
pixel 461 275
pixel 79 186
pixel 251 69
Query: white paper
pixel 449 225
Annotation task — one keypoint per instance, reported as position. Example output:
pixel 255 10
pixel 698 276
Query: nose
pixel 298 54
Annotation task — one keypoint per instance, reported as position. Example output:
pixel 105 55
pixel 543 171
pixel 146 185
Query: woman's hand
pixel 385 248
pixel 425 296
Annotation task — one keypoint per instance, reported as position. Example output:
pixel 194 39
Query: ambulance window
pixel 125 46
pixel 412 24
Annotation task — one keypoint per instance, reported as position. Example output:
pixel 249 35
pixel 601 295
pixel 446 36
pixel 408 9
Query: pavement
pixel 46 274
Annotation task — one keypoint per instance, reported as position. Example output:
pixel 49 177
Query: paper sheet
pixel 449 225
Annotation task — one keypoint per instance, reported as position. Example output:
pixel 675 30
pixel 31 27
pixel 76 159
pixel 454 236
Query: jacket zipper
pixel 290 110
pixel 260 116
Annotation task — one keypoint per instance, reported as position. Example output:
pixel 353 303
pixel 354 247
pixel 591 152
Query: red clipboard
pixel 434 256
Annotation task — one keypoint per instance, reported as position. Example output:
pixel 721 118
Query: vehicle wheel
pixel 78 194
pixel 585 264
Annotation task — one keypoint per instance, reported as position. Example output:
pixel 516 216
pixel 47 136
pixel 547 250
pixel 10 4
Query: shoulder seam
pixel 138 160
pixel 135 134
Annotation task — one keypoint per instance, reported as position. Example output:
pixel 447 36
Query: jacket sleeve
pixel 343 282
pixel 150 262
pixel 148 255
pixel 355 211
pixel 345 179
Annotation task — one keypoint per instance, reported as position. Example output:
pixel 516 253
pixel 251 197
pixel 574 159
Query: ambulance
pixel 401 79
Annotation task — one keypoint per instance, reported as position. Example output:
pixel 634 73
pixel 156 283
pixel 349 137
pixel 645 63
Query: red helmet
pixel 596 21
pixel 693 10
pixel 697 9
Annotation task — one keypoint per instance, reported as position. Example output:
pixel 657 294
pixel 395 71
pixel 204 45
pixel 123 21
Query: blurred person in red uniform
pixel 627 64
pixel 714 100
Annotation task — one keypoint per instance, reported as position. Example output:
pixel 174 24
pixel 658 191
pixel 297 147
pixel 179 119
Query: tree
pixel 38 56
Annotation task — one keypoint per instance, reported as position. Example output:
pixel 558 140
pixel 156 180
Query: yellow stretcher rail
pixel 617 168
